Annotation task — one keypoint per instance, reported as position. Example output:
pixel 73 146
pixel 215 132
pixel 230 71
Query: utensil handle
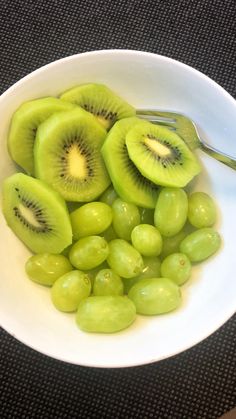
pixel 216 154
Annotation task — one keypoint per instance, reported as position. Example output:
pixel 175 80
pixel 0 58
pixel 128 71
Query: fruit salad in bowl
pixel 115 224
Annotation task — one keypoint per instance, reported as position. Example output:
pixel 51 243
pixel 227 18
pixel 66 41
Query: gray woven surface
pixel 200 383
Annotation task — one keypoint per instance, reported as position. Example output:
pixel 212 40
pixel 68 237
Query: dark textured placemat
pixel 200 383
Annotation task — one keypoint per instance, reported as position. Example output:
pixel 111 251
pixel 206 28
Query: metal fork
pixel 187 130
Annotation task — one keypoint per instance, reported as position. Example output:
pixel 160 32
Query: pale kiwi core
pixel 77 164
pixel 157 147
pixel 28 215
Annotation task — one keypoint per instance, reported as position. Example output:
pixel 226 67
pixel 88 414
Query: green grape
pixel 146 216
pixel 147 240
pixel 152 269
pixel 105 314
pixel 124 259
pixel 69 290
pixel 109 234
pixel 109 196
pixel 176 267
pixel 89 252
pixel 108 282
pixel 171 244
pixel 201 244
pixel 155 296
pixel 93 272
pixel 201 210
pixel 125 217
pixel 45 268
pixel 90 219
pixel 171 211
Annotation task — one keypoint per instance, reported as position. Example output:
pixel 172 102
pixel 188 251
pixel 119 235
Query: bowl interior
pixel 151 81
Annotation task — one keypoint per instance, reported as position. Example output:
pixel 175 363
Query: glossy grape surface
pixel 107 314
pixel 69 290
pixel 45 268
pixel 171 211
pixel 201 210
pixel 88 252
pixel 90 219
pixel 155 296
pixel 124 259
pixel 107 282
pixel 176 267
pixel 201 244
pixel 151 269
pixel 147 240
pixel 125 217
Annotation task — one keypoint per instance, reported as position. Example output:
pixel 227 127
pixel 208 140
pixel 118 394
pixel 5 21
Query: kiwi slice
pixel 127 180
pixel 24 124
pixel 161 155
pixel 67 155
pixel 98 99
pixel 36 213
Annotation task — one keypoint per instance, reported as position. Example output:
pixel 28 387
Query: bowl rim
pixel 228 96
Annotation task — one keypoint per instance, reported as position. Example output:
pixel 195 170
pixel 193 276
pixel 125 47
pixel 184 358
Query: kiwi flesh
pixel 67 155
pixel 127 180
pixel 36 213
pixel 102 102
pixel 161 155
pixel 24 124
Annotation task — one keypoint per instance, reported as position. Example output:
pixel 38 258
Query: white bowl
pixel 209 298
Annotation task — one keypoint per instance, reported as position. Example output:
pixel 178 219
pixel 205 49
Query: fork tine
pixel 160 116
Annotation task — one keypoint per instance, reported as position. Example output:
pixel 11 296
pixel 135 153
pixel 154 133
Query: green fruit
pixel 161 155
pixel 171 211
pixel 151 269
pixel 147 240
pixel 46 268
pixel 24 125
pixel 67 155
pixel 155 296
pixel 36 213
pixel 125 217
pixel 201 244
pixel 107 282
pixel 90 219
pixel 107 314
pixel 88 252
pixel 127 180
pixel 124 259
pixel 176 267
pixel 201 210
pixel 69 290
pixel 106 106
pixel 171 244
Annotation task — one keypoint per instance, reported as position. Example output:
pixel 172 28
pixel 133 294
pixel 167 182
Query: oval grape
pixel 107 282
pixel 171 211
pixel 176 267
pixel 147 240
pixel 69 290
pixel 124 259
pixel 125 217
pixel 90 219
pixel 107 314
pixel 155 296
pixel 201 210
pixel 46 268
pixel 89 252
pixel 201 244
